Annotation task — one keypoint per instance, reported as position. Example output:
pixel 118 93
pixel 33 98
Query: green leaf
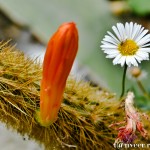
pixel 140 7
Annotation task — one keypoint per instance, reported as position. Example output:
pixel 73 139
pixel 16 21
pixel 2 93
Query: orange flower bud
pixel 58 60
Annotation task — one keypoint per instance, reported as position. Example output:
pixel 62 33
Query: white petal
pixel 138 31
pixel 141 29
pixel 130 29
pixel 111 55
pixel 141 35
pixel 135 28
pixel 142 54
pixel 139 59
pixel 144 40
pixel 127 28
pixel 117 41
pixel 108 46
pixel 112 51
pixel 133 61
pixel 128 60
pixel 145 50
pixel 115 61
pixel 110 39
pixel 122 61
pixel 116 32
pixel 145 45
pixel 121 31
pixel 109 49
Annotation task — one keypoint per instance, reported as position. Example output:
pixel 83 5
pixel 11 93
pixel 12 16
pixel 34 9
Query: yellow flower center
pixel 128 48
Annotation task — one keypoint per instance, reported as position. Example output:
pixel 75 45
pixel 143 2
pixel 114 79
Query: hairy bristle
pixel 85 114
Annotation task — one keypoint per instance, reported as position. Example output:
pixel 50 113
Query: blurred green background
pixel 92 17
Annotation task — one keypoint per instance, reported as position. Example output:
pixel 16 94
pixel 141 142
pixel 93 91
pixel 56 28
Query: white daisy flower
pixel 129 45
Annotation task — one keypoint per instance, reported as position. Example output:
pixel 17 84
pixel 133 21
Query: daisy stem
pixel 123 81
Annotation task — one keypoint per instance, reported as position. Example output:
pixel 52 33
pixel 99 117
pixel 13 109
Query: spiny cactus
pixel 83 119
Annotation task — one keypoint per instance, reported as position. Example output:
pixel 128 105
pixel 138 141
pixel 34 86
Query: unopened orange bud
pixel 59 57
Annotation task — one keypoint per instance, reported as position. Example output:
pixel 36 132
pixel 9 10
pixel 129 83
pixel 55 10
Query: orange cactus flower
pixel 59 57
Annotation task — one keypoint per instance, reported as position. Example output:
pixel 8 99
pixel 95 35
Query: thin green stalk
pixel 142 88
pixel 123 81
